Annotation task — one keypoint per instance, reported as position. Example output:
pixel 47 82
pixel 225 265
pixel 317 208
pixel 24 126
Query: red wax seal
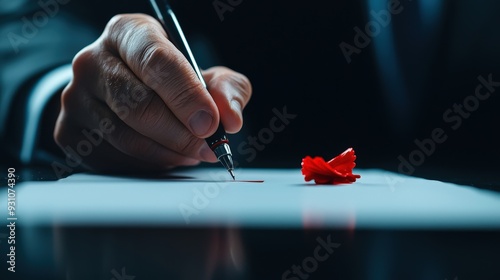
pixel 336 171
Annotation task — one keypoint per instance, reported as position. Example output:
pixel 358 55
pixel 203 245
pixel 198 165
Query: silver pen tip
pixel 223 153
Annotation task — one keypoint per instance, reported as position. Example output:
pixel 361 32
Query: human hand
pixel 139 104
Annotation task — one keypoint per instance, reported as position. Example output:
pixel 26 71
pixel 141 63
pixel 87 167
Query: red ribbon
pixel 336 171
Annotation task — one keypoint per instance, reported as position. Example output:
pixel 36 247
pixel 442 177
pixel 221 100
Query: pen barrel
pixel 218 138
pixel 218 142
pixel 175 34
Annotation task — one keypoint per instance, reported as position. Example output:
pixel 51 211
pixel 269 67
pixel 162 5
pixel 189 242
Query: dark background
pixel 290 51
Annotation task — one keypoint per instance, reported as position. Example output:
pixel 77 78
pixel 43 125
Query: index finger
pixel 142 44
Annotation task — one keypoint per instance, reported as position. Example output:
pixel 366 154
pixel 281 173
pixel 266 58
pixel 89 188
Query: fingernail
pixel 200 122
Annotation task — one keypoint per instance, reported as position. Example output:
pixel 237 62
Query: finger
pixel 142 44
pixel 144 111
pixel 115 161
pixel 116 132
pixel 231 92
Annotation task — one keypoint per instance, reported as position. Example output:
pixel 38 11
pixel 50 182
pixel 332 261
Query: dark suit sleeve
pixel 35 40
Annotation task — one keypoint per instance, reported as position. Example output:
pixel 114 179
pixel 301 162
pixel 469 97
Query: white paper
pixel 379 199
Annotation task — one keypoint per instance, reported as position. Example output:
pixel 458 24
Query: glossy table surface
pixel 199 224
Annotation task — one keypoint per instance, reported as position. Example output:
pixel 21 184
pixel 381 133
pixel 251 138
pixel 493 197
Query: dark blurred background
pixel 394 91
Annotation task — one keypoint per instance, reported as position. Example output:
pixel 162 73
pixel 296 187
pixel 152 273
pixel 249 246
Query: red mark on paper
pixel 336 171
pixel 246 181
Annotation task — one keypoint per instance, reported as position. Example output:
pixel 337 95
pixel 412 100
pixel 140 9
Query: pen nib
pixel 223 153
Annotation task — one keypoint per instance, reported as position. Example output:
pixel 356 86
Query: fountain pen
pixel 218 142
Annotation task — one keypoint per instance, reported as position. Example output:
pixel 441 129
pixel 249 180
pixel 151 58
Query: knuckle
pixel 184 97
pixel 240 82
pixel 66 97
pixel 84 61
pixel 124 26
pixel 158 64
pixel 161 64
pixel 71 99
pixel 117 22
pixel 245 83
pixel 152 57
pixel 121 20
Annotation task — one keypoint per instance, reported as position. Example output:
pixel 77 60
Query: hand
pixel 136 103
